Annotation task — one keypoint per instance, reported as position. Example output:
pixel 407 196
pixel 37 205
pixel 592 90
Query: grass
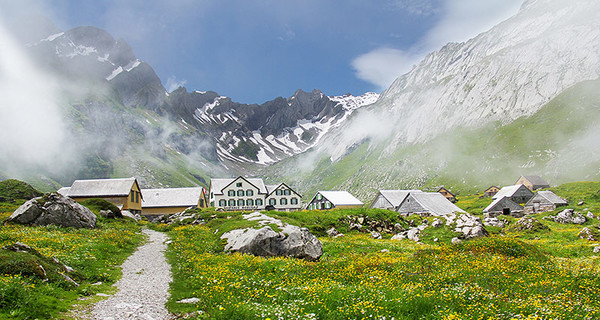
pixel 95 255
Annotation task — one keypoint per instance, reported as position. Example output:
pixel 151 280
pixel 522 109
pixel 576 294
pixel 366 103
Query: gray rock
pixel 590 216
pixel 129 215
pixel 189 300
pixel 332 232
pixel 107 214
pixel 339 235
pixel 455 240
pixel 413 234
pixel 569 216
pixel 355 226
pixel 384 250
pixel 590 233
pixel 596 249
pixel 437 222
pixel 580 203
pixel 54 209
pixel 470 226
pixel 495 222
pixel 398 227
pixel 292 241
pixel 376 235
pixel 399 236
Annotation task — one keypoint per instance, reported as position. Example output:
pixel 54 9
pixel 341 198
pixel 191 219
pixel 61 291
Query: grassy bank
pixel 95 255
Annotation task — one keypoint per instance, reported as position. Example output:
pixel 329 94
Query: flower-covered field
pixel 95 255
pixel 490 278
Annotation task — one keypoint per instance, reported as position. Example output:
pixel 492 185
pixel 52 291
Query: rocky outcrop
pixel 470 226
pixel 568 216
pixel 54 209
pixel 591 233
pixel 528 224
pixel 291 241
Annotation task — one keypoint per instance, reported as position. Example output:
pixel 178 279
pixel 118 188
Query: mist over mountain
pixel 452 119
pixel 113 117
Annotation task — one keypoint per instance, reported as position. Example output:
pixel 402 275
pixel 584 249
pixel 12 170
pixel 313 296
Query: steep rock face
pixel 500 75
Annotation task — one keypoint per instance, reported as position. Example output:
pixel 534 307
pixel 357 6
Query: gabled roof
pixel 509 191
pixel 102 187
pixel 504 202
pixel 434 202
pixel 550 196
pixel 491 188
pixel 445 189
pixel 395 197
pixel 341 198
pixel 535 180
pixel 64 191
pixel 272 187
pixel 217 185
pixel 171 197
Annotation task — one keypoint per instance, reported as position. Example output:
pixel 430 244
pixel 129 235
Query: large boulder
pixel 292 241
pixel 470 226
pixel 54 209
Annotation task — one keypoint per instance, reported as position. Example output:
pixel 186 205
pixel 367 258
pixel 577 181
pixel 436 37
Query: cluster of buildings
pixel 245 194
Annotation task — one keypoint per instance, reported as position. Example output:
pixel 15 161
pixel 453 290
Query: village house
pixel 237 194
pixel 325 200
pixel 427 204
pixel 282 198
pixel 491 191
pixel 172 200
pixel 533 182
pixel 242 194
pixel 390 199
pixel 544 201
pixel 124 193
pixel 449 195
pixel 504 206
pixel 518 193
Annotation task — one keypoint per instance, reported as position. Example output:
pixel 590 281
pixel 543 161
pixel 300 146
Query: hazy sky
pixel 254 51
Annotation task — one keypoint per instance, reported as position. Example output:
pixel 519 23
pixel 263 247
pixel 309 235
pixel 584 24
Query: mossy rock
pixel 527 224
pixel 97 204
pixel 20 259
pixel 15 189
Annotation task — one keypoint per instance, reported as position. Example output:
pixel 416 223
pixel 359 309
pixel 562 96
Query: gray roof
pixel 171 197
pixel 508 191
pixel 504 202
pixel 395 197
pixel 435 203
pixel 271 187
pixel 217 185
pixel 536 180
pixel 64 191
pixel 341 198
pixel 101 187
pixel 550 196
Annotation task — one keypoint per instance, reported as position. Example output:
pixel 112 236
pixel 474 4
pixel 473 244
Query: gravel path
pixel 143 289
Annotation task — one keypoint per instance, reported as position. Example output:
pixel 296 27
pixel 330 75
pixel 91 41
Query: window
pixel 327 205
pixel 222 203
pixel 240 202
pixel 277 192
pixel 231 203
pixel 287 192
pixel 132 196
pixel 240 193
pixel 250 202
pixel 231 193
pixel 272 202
pixel 249 193
pixel 294 201
pixel 283 201
pixel 239 184
pixel 319 196
pixel 259 202
pixel 137 197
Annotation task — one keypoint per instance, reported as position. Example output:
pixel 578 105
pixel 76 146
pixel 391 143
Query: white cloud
pixel 460 21
pixel 173 83
pixel 33 131
pixel 381 66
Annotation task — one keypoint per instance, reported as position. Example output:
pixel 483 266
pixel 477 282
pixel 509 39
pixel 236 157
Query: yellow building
pixel 124 193
pixel 172 200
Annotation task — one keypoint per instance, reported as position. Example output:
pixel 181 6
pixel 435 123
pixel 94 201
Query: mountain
pixel 121 121
pixel 463 116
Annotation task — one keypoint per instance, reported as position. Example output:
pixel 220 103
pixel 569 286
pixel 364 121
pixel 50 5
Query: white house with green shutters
pixel 245 194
